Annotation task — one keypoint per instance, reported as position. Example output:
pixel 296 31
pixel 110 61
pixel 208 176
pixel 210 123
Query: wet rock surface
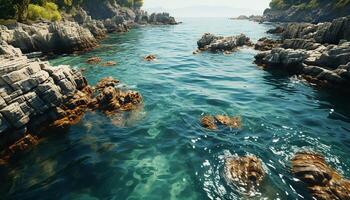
pixel 94 60
pixel 109 63
pixel 213 43
pixel 213 122
pixel 323 181
pixel 35 96
pixel 245 171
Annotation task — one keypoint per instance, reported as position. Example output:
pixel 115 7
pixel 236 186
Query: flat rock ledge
pixel 323 182
pixel 35 96
pixel 319 53
pixel 213 43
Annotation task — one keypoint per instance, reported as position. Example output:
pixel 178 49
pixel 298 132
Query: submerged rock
pixel 94 60
pixel 323 182
pixel 23 144
pixel 232 122
pixel 246 172
pixel 106 82
pixel 111 100
pixel 109 63
pixel 150 57
pixel 218 43
pixel 212 122
pixel 209 122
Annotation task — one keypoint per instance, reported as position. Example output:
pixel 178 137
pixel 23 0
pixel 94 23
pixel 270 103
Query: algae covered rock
pixel 323 181
pixel 245 171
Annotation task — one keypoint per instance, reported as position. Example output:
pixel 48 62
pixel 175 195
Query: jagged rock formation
pixel 30 91
pixel 212 122
pixel 329 32
pixel 90 23
pixel 35 96
pixel 265 44
pixel 214 43
pixel 324 11
pixel 59 37
pixel 323 182
pixel 244 172
pixel 320 53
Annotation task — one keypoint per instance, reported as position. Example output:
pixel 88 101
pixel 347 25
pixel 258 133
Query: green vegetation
pixel 48 11
pixel 306 4
pixel 23 10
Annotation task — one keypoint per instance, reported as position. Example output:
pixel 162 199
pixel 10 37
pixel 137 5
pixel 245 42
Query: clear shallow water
pixel 161 151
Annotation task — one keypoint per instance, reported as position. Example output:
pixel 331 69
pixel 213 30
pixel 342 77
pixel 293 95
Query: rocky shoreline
pixel 35 97
pixel 80 32
pixel 320 53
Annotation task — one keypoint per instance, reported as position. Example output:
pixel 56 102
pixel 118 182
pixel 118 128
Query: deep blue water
pixel 161 151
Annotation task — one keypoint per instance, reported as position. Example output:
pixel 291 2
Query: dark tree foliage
pixel 7 9
pixel 19 8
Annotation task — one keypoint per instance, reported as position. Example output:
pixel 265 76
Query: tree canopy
pixel 47 9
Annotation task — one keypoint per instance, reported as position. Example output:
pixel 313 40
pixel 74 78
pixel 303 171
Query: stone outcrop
pixel 323 182
pixel 328 32
pixel 90 24
pixel 324 11
pixel 215 43
pixel 213 122
pixel 35 96
pixel 30 91
pixel 276 30
pixel 161 18
pixel 319 53
pixel 58 37
pixel 246 172
pixel 118 18
pixel 265 44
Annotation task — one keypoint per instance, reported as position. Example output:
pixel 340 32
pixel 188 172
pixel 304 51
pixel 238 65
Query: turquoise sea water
pixel 161 151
